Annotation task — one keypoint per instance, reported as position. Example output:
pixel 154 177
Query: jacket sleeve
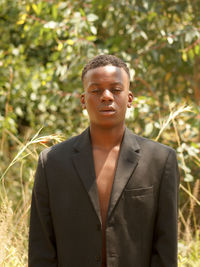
pixel 164 249
pixel 42 246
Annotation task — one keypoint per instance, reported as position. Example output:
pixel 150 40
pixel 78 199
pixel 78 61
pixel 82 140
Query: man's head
pixel 106 91
pixel 104 60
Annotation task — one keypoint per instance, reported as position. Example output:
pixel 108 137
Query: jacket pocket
pixel 138 192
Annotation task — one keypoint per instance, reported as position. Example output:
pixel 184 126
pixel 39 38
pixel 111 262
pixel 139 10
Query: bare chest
pixel 105 166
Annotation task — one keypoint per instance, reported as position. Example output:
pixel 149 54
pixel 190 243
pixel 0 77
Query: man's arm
pixel 164 250
pixel 42 247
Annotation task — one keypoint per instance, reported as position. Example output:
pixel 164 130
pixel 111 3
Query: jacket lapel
pixel 127 162
pixel 83 163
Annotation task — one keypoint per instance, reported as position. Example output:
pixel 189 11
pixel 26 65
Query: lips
pixel 107 111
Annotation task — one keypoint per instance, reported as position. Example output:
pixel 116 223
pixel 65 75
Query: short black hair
pixel 104 60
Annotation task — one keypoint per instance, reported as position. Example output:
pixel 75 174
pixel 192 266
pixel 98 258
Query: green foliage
pixel 44 45
pixel 189 252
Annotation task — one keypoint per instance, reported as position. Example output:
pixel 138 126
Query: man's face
pixel 106 95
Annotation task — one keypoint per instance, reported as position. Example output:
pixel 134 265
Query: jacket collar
pixel 127 162
pixel 84 164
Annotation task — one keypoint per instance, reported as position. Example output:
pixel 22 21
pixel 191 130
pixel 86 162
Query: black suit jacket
pixel 141 228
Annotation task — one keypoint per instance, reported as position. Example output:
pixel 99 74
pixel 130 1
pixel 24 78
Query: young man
pixel 107 197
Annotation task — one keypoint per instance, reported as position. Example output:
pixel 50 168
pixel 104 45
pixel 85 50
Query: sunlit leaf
pixel 92 17
pixel 184 56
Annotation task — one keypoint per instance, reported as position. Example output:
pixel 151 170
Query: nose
pixel 107 95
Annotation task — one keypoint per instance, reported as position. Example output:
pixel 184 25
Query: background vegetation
pixel 43 47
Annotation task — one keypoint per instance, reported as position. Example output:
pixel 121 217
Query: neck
pixel 106 138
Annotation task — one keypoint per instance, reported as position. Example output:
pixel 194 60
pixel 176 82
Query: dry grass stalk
pixel 172 116
pixel 6 219
pixel 193 203
pixel 193 196
pixel 34 140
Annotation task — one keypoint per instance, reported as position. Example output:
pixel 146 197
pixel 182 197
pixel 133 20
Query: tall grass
pixel 15 194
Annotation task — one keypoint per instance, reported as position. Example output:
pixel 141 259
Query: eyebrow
pixel 117 83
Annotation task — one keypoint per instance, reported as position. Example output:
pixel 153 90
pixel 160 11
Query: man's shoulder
pixel 147 144
pixel 63 148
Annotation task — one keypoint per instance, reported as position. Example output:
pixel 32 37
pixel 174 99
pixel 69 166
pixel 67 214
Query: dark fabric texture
pixel 65 222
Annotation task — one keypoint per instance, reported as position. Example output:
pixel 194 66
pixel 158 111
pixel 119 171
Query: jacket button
pixel 98 258
pixel 98 227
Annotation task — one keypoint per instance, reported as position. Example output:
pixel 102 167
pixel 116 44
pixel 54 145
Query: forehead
pixel 106 73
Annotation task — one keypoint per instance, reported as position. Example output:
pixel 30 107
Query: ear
pixel 83 101
pixel 130 99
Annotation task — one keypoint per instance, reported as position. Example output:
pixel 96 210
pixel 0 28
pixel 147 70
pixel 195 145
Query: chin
pixel 108 124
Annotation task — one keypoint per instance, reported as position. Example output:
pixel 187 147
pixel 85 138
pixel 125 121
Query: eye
pixel 116 90
pixel 95 90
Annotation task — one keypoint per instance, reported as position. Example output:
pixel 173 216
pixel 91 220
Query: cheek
pixel 90 101
pixel 123 102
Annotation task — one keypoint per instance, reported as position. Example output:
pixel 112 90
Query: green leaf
pixel 55 11
pixel 184 56
pixel 91 38
pixel 191 54
pixel 197 49
pixel 93 30
pixel 92 17
pixel 188 178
